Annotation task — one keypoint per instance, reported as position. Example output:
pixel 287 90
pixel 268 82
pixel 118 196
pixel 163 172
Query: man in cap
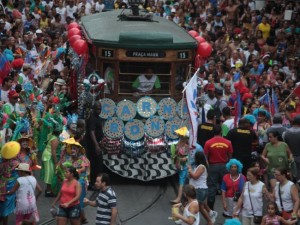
pixel 39 37
pixel 210 96
pixel 12 105
pixel 264 66
pixel 292 138
pixel 58 84
pixel 218 22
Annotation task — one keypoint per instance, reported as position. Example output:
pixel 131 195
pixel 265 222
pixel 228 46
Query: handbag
pixel 54 211
pixel 256 219
pixel 286 215
pixel 236 193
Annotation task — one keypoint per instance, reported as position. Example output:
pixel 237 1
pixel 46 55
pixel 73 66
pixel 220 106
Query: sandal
pixel 84 221
pixel 174 201
pixel 49 194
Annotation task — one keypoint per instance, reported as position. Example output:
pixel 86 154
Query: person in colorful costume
pixel 50 156
pixel 74 154
pixel 27 154
pixel 9 175
pixel 70 128
pixel 180 154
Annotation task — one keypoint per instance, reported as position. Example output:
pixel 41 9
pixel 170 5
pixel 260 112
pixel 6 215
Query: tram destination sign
pixel 146 54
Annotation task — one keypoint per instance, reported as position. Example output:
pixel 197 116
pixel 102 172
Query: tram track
pixel 126 221
pixel 52 220
pixel 159 194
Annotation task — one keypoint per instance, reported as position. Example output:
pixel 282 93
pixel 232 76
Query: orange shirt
pixel 68 192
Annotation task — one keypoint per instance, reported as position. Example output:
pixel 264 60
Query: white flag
pixel 191 93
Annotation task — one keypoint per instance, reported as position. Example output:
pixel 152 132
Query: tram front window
pixel 144 78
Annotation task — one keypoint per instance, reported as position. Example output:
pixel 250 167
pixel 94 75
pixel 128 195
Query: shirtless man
pixel 232 12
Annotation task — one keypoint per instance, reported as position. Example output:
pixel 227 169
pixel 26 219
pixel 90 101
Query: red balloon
pixel 73 31
pixel 80 47
pixel 73 25
pixel 74 38
pixel 200 39
pixel 193 33
pixel 204 49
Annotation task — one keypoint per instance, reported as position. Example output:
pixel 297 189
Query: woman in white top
pixel 190 215
pixel 25 187
pixel 251 199
pixel 198 178
pixel 288 192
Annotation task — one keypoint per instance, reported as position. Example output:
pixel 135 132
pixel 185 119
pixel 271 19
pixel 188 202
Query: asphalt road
pixel 139 203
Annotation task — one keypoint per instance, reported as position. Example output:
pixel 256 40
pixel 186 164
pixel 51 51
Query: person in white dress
pixel 251 199
pixel 25 188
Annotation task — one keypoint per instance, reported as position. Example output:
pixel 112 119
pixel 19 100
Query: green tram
pixel 139 126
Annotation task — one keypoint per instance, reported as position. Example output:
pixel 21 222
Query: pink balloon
pixel 73 31
pixel 200 39
pixel 204 49
pixel 193 33
pixel 80 47
pixel 73 25
pixel 74 38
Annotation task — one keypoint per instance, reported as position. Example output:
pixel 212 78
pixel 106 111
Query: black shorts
pixel 71 212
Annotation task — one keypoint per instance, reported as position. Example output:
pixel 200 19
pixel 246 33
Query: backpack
pixel 217 109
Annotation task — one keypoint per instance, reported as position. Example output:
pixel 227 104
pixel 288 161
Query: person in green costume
pixel 50 157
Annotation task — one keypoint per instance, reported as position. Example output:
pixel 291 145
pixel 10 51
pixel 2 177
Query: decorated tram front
pixel 139 126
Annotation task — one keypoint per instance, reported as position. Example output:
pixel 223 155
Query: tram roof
pixel 107 30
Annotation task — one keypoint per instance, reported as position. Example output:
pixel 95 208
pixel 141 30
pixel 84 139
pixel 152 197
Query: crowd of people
pixel 249 108
pixel 249 113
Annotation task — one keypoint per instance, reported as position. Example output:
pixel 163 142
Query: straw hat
pixel 10 150
pixel 31 143
pixel 60 82
pixel 183 132
pixel 24 167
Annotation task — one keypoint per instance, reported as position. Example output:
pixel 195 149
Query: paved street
pixel 138 203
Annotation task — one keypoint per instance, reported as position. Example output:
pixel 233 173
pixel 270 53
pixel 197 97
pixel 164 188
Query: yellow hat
pixel 10 150
pixel 183 131
pixel 239 64
pixel 72 141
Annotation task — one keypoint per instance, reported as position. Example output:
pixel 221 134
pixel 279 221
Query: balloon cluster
pixel 204 49
pixel 75 39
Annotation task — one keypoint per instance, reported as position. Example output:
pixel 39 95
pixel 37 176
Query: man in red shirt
pixel 218 151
